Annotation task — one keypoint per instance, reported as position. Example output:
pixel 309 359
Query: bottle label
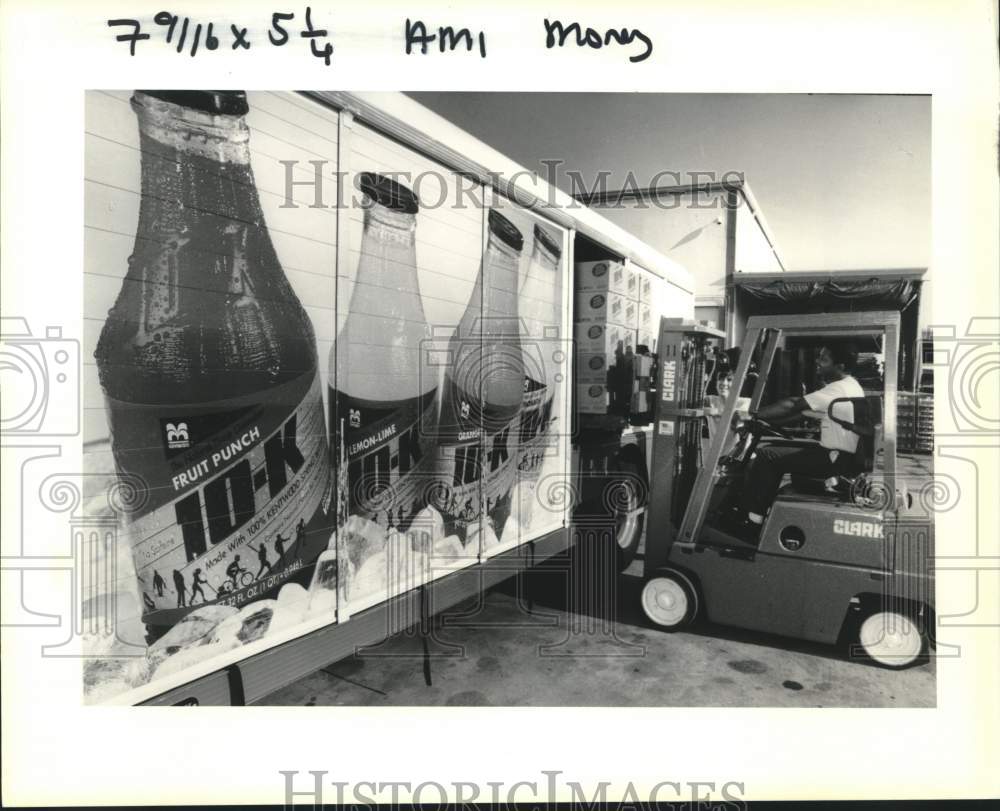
pixel 501 473
pixel 247 478
pixel 387 450
pixel 476 468
pixel 533 426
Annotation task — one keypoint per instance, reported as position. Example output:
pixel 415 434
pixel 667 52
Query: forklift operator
pixel 837 445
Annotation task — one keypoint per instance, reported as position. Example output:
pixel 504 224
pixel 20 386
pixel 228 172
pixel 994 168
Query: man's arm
pixel 793 419
pixel 788 407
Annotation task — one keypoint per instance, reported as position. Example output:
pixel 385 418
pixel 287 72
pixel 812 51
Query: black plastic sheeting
pixel 896 294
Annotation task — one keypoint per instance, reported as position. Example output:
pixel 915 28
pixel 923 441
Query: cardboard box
pixel 646 338
pixel 632 314
pixel 604 338
pixel 645 317
pixel 647 327
pixel 596 364
pixel 632 282
pixel 603 276
pixel 592 367
pixel 593 336
pixel 608 347
pixel 591 398
pixel 645 283
pixel 602 308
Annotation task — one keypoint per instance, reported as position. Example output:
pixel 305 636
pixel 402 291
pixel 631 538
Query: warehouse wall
pixel 754 253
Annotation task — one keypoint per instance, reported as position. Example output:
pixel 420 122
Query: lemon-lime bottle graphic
pixel 208 364
pixel 382 396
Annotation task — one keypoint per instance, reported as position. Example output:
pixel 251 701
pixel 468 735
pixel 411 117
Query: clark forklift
pixel 836 561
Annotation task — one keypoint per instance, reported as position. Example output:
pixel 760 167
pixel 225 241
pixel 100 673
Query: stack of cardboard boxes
pixel 646 315
pixel 647 323
pixel 609 314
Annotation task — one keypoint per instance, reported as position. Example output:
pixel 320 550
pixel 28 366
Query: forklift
pixel 836 561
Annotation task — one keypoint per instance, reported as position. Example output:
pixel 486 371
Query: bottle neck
pixel 543 258
pixel 386 283
pixel 500 255
pixel 219 138
pixel 390 226
pixel 500 280
pixel 196 172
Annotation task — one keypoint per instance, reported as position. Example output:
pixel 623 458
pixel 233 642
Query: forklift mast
pixel 683 472
pixel 687 352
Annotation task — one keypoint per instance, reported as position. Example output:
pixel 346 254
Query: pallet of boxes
pixel 614 338
pixel 915 422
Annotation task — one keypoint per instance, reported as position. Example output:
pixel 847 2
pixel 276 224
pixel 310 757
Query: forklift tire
pixel 628 533
pixel 625 517
pixel 670 600
pixel 629 506
pixel 626 528
pixel 891 639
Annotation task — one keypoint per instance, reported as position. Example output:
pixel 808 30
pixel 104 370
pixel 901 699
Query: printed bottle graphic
pixel 541 317
pixel 482 393
pixel 208 364
pixel 382 398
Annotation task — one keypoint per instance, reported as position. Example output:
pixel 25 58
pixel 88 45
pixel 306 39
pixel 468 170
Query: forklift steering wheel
pixel 759 426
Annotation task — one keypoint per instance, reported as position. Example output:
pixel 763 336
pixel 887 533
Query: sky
pixel 843 180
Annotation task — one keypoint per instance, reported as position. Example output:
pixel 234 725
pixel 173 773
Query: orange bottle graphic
pixel 482 393
pixel 209 369
pixel 541 311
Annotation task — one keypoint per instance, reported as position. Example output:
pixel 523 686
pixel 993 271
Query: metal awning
pixel 895 290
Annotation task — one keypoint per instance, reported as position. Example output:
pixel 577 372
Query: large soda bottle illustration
pixel 482 393
pixel 541 318
pixel 208 364
pixel 382 398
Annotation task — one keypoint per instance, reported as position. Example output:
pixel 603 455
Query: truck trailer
pixel 402 485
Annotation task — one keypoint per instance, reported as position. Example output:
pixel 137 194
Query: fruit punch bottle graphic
pixel 382 398
pixel 482 392
pixel 209 370
pixel 541 318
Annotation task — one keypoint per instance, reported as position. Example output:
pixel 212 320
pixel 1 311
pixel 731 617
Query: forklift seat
pixel 867 423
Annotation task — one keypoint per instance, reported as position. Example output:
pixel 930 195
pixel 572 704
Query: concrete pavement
pixel 550 640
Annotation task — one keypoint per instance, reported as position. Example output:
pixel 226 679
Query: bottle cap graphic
pixel 548 241
pixel 213 102
pixel 505 230
pixel 387 192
